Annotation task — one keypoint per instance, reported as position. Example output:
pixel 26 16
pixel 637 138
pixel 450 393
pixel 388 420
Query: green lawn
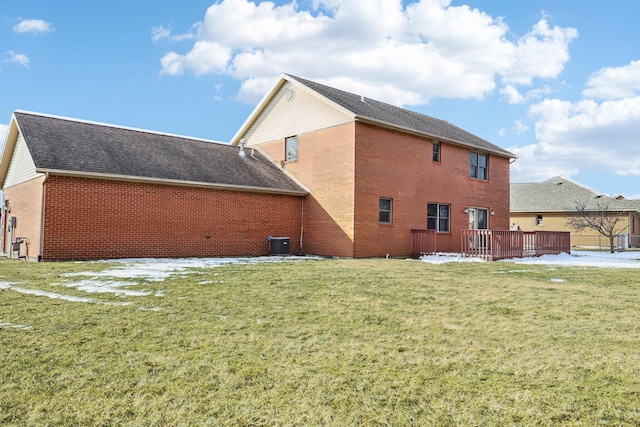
pixel 324 342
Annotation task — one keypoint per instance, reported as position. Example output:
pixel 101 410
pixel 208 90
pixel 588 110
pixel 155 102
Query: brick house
pixel 338 173
pixel 375 171
pixel 81 190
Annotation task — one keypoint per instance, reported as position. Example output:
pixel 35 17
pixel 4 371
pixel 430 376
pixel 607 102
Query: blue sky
pixel 556 82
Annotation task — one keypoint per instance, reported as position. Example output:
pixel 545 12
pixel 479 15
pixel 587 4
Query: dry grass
pixel 331 342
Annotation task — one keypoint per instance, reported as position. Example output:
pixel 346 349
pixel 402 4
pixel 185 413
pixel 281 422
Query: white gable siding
pixel 21 168
pixel 301 114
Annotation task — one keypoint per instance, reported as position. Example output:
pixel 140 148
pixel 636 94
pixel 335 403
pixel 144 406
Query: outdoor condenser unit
pixel 279 245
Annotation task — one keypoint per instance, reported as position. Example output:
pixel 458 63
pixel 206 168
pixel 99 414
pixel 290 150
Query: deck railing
pixel 424 242
pixel 502 244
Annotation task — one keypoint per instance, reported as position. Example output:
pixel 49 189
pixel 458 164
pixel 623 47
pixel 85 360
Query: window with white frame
pixel 291 149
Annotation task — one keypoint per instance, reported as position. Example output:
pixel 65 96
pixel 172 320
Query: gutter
pixel 176 182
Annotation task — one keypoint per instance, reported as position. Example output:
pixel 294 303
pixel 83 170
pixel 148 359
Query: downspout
pixel 301 223
pixel 5 214
pixel 44 191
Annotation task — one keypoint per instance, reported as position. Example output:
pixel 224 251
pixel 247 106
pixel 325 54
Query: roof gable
pixel 63 145
pixel 294 110
pixel 380 113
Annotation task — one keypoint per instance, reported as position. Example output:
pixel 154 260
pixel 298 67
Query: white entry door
pixel 478 218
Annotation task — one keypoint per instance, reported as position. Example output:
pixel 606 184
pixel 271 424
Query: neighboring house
pixel 337 173
pixel 81 190
pixel 548 205
pixel 375 171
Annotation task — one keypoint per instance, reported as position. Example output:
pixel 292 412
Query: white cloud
pixel 615 82
pixel 405 55
pixel 598 136
pixel 513 95
pixel 33 26
pixel 159 33
pixel 541 53
pixel 521 127
pixel 18 58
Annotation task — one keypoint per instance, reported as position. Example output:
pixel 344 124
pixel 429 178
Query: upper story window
pixel 436 152
pixel 438 217
pixel 385 210
pixel 539 220
pixel 291 149
pixel 479 166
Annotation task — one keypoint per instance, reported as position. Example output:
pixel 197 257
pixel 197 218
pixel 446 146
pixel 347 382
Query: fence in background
pixel 599 242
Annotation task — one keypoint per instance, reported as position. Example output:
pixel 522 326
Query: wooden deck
pixel 494 245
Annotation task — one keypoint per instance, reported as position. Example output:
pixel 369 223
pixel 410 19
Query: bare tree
pixel 597 214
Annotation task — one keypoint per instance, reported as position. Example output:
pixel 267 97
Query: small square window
pixel 436 152
pixel 385 210
pixel 291 148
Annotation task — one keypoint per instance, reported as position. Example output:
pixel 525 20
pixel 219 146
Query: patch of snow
pixel 443 258
pixel 509 271
pixel 553 279
pixel 159 269
pixel 110 286
pixel 629 259
pixel 585 259
pixel 7 325
pixel 150 269
pixel 45 294
pixel 150 309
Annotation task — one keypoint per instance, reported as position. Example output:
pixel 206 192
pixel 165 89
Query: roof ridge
pixel 586 187
pixel 400 117
pixel 302 80
pixel 114 126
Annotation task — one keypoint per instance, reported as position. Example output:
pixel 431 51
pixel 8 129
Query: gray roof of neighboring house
pixel 62 144
pixel 383 113
pixel 561 195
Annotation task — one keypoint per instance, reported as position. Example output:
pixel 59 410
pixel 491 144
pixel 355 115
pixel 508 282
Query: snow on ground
pixel 629 259
pixel 135 272
pixel 158 269
pixel 8 325
pixel 9 286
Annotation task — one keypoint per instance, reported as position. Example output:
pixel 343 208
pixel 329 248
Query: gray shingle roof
pixel 62 144
pixel 406 119
pixel 559 194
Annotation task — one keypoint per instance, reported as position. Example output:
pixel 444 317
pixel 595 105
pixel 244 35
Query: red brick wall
pixel 399 166
pixel 325 165
pixel 93 219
